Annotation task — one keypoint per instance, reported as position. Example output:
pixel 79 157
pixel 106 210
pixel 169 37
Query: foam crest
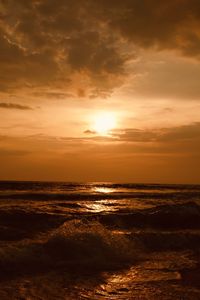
pixel 90 243
pixel 76 245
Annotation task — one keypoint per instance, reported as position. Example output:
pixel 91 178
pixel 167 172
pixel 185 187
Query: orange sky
pixel 65 65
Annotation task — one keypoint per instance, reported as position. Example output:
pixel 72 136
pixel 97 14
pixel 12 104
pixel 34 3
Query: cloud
pixel 90 132
pixel 14 106
pixel 96 55
pixel 83 47
pixel 46 43
pixel 52 95
pixel 184 132
pixel 149 23
pixel 166 76
pixel 161 135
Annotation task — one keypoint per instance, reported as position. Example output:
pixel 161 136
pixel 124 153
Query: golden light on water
pixel 101 205
pixel 104 190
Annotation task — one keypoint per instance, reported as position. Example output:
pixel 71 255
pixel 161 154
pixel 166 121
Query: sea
pixel 65 240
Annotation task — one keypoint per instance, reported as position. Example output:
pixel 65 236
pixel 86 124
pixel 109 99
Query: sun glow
pixel 104 122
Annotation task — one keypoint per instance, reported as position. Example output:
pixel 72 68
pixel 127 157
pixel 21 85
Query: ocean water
pixel 99 241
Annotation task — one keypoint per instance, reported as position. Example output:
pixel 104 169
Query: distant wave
pixel 167 241
pixel 41 185
pixel 173 217
pixel 37 196
pixel 20 223
pixel 17 224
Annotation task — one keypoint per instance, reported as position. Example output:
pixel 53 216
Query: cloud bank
pixel 82 45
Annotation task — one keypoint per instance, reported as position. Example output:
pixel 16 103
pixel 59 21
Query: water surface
pixel 99 241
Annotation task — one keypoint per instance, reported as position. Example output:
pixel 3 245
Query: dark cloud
pixel 94 53
pixel 63 44
pixel 52 95
pixel 21 68
pixel 14 106
pixel 173 24
pixel 184 132
pixel 166 135
pixel 135 135
pixel 89 132
pixel 47 43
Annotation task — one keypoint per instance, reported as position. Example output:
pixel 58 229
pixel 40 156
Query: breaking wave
pixel 74 246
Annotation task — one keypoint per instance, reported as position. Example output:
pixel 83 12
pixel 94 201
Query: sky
pixel 96 90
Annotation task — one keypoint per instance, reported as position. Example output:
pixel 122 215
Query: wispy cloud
pixel 14 106
pixel 171 134
pixel 88 131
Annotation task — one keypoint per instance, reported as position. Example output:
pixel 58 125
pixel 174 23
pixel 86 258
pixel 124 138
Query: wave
pixel 81 246
pixel 90 242
pixel 167 241
pixel 20 223
pixel 89 196
pixel 38 185
pixel 173 217
pixel 74 246
pixel 17 224
pixel 89 246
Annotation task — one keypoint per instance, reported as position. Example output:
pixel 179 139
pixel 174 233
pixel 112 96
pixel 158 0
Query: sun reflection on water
pixel 100 205
pixel 96 207
pixel 104 190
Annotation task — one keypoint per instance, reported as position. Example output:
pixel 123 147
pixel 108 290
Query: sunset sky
pixel 100 90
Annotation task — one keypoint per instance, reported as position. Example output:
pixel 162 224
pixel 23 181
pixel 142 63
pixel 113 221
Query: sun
pixel 104 123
